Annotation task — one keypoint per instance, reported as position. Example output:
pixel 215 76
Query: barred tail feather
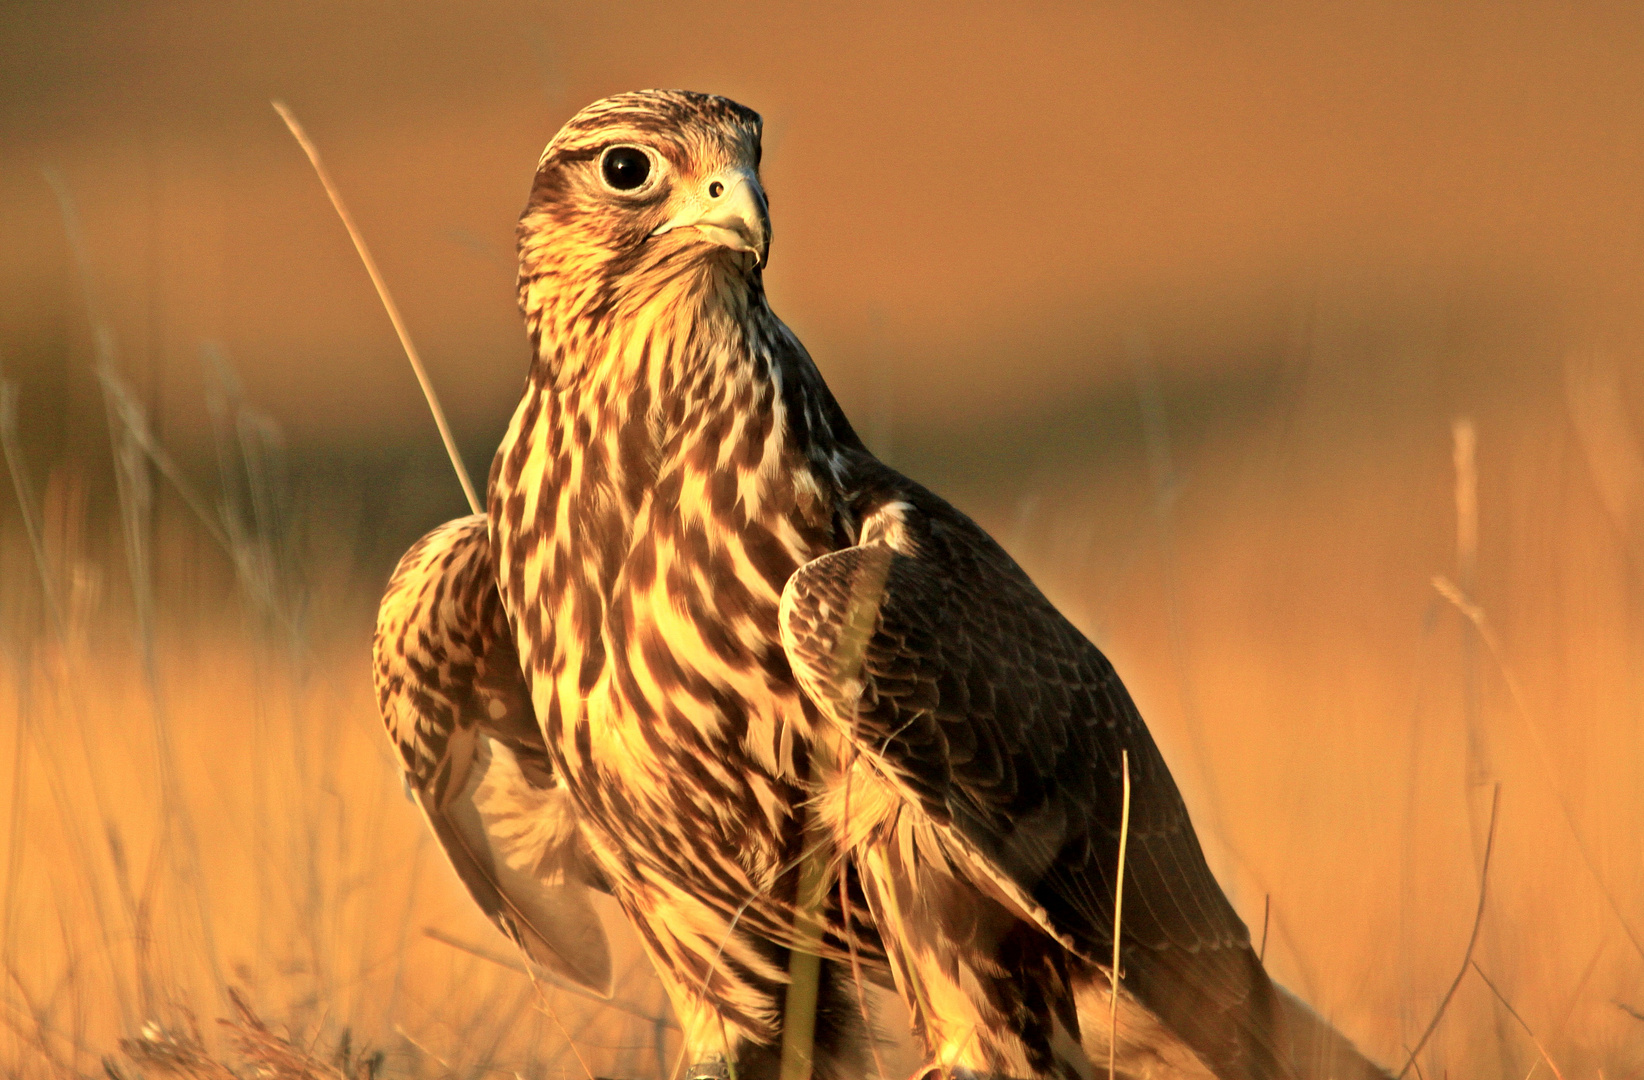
pixel 1317 1050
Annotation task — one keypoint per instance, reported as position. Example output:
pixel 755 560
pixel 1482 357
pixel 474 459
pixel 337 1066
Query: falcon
pixel 806 722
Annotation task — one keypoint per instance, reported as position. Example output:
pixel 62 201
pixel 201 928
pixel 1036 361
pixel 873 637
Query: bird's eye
pixel 625 168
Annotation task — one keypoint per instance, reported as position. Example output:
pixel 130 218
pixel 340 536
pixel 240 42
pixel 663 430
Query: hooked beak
pixel 729 209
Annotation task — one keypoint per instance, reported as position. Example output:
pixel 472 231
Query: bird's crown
pixel 674 115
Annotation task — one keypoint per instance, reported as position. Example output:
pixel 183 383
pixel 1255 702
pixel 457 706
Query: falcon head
pixel 656 180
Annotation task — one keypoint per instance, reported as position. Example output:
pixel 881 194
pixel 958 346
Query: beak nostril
pixel 726 208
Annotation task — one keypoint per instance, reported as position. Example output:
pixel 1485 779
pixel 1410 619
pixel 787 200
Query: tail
pixel 1317 1051
pixel 1217 1014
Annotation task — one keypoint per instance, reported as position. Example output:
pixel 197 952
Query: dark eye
pixel 625 167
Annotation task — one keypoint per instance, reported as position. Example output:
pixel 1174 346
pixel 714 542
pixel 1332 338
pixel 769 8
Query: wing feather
pixel 458 710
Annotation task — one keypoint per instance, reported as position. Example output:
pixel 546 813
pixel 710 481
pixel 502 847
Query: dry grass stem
pixel 553 1014
pixel 1464 439
pixel 248 553
pixel 1267 914
pixel 135 497
pixel 25 503
pixel 1472 939
pixel 736 918
pixel 388 304
pixel 133 424
pixel 1475 614
pixel 850 935
pixel 1118 914
pixel 1545 1056
pixel 1597 403
pixel 805 966
pixel 541 975
pixel 56 772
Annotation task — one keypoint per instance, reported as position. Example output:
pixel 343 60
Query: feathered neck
pixel 587 307
pixel 684 336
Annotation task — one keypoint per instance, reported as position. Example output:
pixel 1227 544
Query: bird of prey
pixel 803 719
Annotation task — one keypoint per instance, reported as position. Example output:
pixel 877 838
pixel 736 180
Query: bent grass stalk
pixel 429 395
pixel 1508 1005
pixel 387 299
pixel 1472 940
pixel 1486 632
pixel 548 977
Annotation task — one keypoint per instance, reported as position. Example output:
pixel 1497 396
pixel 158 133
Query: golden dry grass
pixel 1322 742
pixel 1345 638
pixel 312 885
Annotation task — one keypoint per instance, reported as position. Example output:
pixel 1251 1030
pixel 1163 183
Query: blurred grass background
pixel 1191 305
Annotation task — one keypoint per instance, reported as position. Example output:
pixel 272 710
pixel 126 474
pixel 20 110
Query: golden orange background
pixel 1183 301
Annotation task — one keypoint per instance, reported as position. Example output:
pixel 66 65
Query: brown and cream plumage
pixel 796 705
pixel 459 712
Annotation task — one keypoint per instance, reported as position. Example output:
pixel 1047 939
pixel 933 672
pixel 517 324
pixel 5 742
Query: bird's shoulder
pixel 444 653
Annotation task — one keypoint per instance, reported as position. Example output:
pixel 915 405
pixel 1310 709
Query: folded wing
pixel 459 713
pixel 995 717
